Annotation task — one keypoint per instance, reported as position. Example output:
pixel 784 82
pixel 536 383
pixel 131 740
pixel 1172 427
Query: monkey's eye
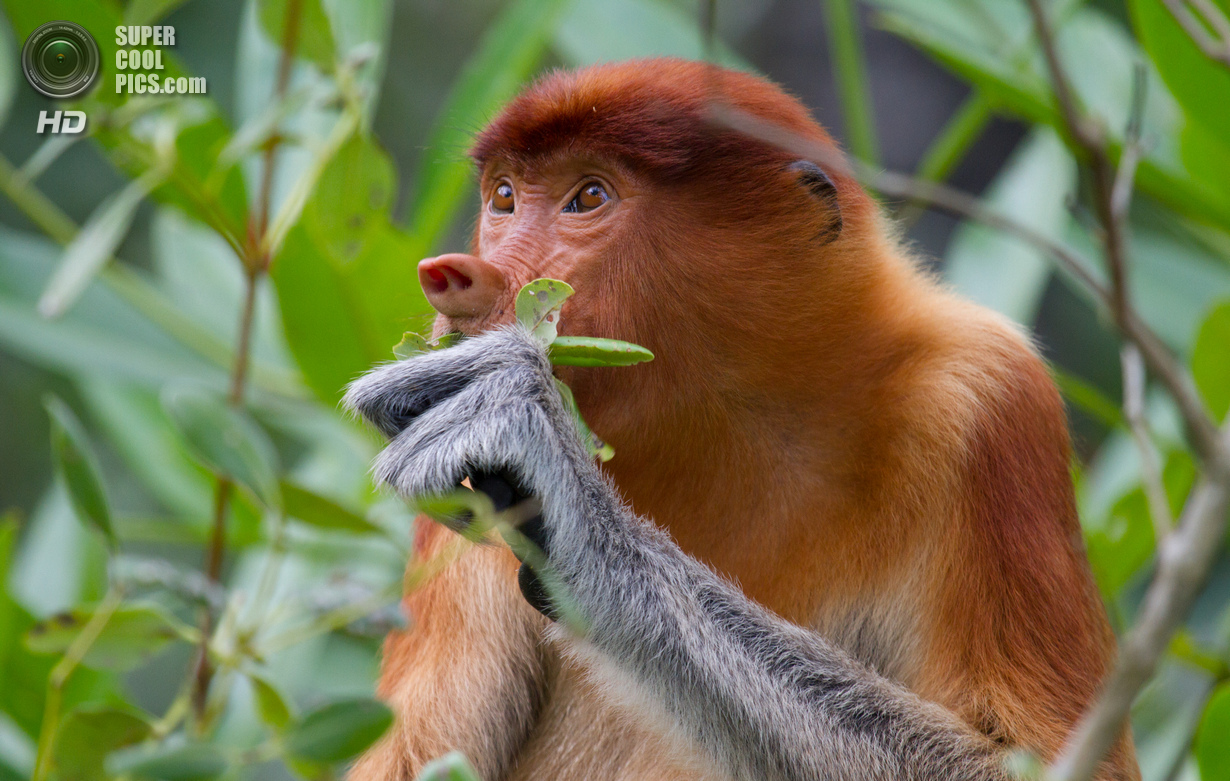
pixel 502 199
pixel 590 197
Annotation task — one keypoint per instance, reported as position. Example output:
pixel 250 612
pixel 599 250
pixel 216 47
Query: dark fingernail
pixel 534 592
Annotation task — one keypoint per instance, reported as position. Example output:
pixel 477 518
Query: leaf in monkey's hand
pixel 596 447
pixel 594 351
pixel 411 345
pixel 538 305
pixel 451 767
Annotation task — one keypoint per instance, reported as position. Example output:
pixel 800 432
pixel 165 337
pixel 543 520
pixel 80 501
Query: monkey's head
pixel 716 250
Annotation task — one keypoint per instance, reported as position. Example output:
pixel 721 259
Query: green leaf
pixel 593 31
pixel 1211 361
pixel 339 730
pixel 225 439
pixel 23 673
pixel 507 55
pixel 325 325
pixel 321 512
pixel 139 429
pixel 538 307
pixel 315 37
pixel 364 27
pixel 149 11
pixel 1001 271
pixel 78 468
pixel 270 703
pixel 1206 156
pixel 411 345
pixel 92 731
pixel 1175 280
pixel 190 762
pixel 1123 542
pixel 1213 739
pixel 451 767
pixel 1201 85
pixel 340 319
pixel 135 632
pixel 352 199
pixel 1089 398
pixel 94 244
pixel 594 351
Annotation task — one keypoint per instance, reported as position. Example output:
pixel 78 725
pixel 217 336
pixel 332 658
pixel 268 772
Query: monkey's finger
pixel 493 424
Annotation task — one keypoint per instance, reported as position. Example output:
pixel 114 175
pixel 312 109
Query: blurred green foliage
pixel 306 278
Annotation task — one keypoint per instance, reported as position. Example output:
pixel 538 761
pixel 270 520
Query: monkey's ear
pixel 821 187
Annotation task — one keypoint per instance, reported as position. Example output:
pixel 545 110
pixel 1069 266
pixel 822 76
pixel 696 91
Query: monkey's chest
pixel 583 734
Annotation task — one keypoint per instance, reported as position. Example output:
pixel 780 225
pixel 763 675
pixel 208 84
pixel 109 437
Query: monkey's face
pixel 561 219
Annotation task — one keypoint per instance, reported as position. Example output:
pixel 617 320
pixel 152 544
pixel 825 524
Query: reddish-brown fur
pixel 863 452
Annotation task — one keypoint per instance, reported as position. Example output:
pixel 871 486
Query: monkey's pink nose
pixel 461 285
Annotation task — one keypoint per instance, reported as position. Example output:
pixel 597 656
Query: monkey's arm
pixel 762 697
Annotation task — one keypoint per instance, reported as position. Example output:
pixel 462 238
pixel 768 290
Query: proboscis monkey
pixel 838 540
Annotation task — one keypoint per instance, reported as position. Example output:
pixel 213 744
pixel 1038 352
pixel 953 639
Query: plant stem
pixel 850 67
pixel 256 264
pixel 42 212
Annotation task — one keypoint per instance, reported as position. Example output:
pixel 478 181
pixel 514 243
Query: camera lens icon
pixel 60 59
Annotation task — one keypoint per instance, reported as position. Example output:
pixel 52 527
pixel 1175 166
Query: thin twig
pixel 1134 380
pixel 1150 465
pixel 1215 48
pixel 1111 212
pixel 60 674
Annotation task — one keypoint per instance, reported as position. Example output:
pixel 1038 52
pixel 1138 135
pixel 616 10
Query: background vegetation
pixel 194 567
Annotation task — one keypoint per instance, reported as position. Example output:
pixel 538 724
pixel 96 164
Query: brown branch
pixel 256 264
pixel 1138 426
